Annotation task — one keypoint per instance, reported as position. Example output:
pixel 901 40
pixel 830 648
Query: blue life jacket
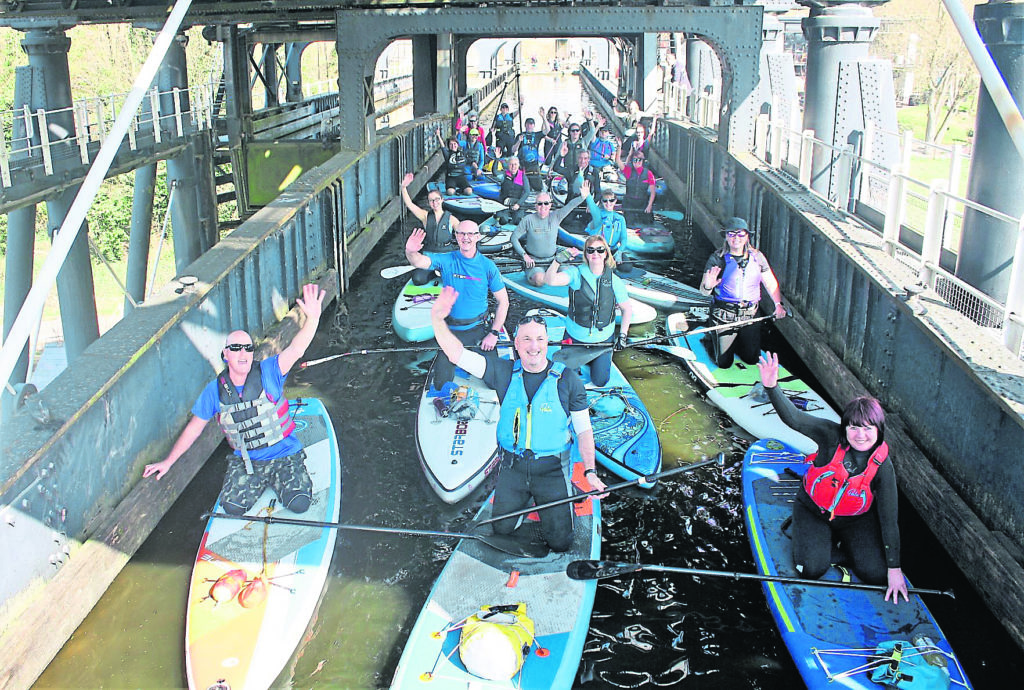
pixel 504 123
pixel 529 149
pixel 601 152
pixel 541 424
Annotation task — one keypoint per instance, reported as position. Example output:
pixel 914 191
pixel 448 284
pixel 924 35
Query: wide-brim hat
pixel 735 224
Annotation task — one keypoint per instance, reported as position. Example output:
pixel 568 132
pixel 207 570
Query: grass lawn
pixel 915 117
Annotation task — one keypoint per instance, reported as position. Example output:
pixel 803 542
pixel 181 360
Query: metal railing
pixel 920 221
pixel 33 135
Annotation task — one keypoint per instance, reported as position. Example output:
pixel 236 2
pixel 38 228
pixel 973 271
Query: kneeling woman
pixel 849 491
pixel 594 292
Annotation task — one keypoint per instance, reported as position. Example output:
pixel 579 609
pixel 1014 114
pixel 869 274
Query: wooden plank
pixel 979 553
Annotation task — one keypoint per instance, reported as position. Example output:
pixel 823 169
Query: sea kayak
pixel 837 637
pixel 242 641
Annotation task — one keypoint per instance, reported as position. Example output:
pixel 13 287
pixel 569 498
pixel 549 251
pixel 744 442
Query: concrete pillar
pixel 424 75
pixel 47 51
pixel 837 33
pixel 182 171
pixel 293 71
pixel 139 234
pixel 997 172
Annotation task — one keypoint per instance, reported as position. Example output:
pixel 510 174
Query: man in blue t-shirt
pixel 252 410
pixel 473 275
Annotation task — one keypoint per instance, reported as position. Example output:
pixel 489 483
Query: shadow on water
pixel 648 630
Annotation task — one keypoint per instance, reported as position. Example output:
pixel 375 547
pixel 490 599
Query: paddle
pixel 395 271
pixel 648 479
pixel 597 570
pixel 704 329
pixel 500 542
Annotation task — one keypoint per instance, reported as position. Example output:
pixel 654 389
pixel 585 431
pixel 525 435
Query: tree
pixel 921 36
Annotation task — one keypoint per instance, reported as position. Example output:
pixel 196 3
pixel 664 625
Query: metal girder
pixel 733 32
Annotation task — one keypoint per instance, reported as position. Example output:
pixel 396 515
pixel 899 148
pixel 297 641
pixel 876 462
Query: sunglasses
pixel 735 233
pixel 574 129
pixel 466 234
pixel 543 203
pixel 238 347
pixel 638 158
pixel 608 201
pixel 532 318
pixel 595 250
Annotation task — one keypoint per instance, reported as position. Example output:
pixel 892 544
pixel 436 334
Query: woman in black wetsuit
pixel 849 491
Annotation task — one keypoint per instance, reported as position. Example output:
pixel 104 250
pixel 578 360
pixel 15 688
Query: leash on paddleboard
pixel 504 543
pixel 639 481
pixel 597 570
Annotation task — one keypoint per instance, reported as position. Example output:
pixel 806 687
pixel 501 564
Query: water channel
pixel 649 630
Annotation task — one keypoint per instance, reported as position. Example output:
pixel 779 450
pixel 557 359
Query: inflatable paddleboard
pixel 243 642
pixel 410 316
pixel 839 638
pixel 558 297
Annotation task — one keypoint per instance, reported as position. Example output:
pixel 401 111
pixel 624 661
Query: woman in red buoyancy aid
pixel 849 490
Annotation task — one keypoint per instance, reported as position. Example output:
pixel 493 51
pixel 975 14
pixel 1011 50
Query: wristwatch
pixel 590 471
pixel 494 333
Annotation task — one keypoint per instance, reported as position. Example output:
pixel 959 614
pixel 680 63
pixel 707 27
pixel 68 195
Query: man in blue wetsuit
pixel 473 275
pixel 252 410
pixel 539 400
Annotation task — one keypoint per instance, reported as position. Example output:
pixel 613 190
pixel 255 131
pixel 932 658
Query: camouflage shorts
pixel 287 476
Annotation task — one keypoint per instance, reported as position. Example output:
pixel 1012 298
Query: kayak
pixel 837 637
pixel 228 644
pixel 625 436
pixel 455 433
pixel 410 316
pixel 558 297
pixel 737 390
pixel 477 575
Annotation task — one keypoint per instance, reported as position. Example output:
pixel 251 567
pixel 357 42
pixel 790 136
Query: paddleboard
pixel 410 316
pixel 558 297
pixel 228 645
pixel 477 575
pixel 659 291
pixel 837 637
pixel 650 239
pixel 455 433
pixel 471 207
pixel 495 237
pixel 625 436
pixel 736 390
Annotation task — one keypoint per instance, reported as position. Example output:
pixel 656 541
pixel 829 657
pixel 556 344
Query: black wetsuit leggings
pixel 544 479
pixel 859 536
pixel 444 370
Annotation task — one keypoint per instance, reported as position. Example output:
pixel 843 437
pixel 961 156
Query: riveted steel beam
pixel 733 32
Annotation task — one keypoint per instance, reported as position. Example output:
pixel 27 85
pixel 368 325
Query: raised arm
pixel 311 303
pixel 420 213
pixel 414 249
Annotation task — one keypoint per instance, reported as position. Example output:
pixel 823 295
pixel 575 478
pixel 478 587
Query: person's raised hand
pixel 407 180
pixel 711 278
pixel 415 242
pixel 312 301
pixel 768 365
pixel 443 304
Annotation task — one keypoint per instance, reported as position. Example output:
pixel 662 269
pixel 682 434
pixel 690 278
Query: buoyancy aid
pixel 593 309
pixel 638 188
pixel 539 425
pixel 529 148
pixel 513 187
pixel 601 152
pixel 439 233
pixel 252 420
pixel 741 277
pixel 454 162
pixel 833 489
pixel 474 156
pixel 504 123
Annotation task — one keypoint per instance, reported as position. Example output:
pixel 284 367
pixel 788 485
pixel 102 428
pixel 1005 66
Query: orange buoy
pixel 254 593
pixel 227 585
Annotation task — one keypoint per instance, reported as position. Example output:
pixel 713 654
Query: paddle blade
pixel 395 271
pixel 597 570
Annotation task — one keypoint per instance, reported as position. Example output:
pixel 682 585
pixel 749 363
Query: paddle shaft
pixel 705 329
pixel 500 542
pixel 614 569
pixel 718 460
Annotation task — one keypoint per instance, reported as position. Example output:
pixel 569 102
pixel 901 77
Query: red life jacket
pixel 833 489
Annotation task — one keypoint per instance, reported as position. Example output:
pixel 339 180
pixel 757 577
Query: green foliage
pixel 110 220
